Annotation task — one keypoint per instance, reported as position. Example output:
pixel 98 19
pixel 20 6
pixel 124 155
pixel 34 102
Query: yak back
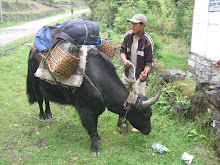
pixel 93 52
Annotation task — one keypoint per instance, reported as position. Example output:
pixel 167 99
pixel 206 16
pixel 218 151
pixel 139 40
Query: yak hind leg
pixel 89 121
pixel 42 115
pixel 98 138
pixel 47 110
pixel 94 145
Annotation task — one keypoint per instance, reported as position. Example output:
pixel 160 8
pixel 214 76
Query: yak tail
pixel 30 88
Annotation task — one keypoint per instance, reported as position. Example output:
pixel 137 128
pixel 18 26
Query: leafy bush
pixel 164 17
pixel 120 22
pixel 157 46
pixel 183 21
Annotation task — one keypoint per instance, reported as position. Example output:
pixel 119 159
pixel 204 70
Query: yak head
pixel 140 113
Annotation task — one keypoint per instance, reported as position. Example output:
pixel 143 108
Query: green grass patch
pixel 27 140
pixel 174 61
pixel 173 53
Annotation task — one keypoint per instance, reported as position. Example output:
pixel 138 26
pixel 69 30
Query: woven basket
pixel 61 63
pixel 107 49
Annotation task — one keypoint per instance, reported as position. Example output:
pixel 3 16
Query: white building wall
pixel 206 31
pixel 213 37
pixel 205 42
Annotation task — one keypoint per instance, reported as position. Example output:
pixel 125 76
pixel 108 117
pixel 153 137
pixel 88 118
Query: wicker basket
pixel 61 63
pixel 107 49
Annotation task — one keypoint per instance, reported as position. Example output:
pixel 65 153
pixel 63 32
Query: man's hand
pixel 127 63
pixel 217 64
pixel 143 76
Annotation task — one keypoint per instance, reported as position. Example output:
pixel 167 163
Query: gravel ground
pixel 7 35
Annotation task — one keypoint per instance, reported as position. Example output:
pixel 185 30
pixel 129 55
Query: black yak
pixel 102 88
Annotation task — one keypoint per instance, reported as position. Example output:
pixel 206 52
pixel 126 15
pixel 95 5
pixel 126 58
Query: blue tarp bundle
pixel 43 40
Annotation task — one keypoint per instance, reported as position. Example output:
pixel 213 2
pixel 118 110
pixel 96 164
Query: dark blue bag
pixel 82 31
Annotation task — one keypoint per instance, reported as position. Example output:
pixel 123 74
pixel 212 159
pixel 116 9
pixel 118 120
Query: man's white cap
pixel 137 18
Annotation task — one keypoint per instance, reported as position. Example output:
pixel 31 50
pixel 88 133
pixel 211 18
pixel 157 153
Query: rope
pixel 130 100
pixel 124 119
pixel 134 77
pixel 132 65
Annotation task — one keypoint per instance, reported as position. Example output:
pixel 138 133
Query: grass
pixel 174 53
pixel 174 61
pixel 63 140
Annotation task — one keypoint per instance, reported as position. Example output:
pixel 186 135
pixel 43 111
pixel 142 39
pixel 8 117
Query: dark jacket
pixel 145 51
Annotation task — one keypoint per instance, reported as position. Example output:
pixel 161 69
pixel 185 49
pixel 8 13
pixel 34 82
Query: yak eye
pixel 147 113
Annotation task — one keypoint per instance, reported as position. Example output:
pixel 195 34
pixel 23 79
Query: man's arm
pixel 127 63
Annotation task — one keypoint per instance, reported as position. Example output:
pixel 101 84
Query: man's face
pixel 137 27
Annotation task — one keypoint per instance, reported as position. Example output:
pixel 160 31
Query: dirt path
pixel 7 35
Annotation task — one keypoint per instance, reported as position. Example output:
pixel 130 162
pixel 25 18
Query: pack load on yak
pixel 59 47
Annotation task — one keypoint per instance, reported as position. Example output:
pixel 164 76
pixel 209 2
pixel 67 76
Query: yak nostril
pixel 146 131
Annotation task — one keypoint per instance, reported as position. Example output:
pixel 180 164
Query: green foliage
pixel 92 4
pixel 183 20
pixel 202 131
pixel 164 17
pixel 157 46
pixel 120 22
pixel 125 11
pixel 177 104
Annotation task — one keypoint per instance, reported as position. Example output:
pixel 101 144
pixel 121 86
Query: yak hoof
pixel 42 118
pixel 96 154
pixel 50 116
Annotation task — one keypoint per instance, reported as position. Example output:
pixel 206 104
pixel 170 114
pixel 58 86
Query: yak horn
pixel 148 103
pixel 136 86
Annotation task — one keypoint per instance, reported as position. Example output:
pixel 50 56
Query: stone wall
pixel 203 69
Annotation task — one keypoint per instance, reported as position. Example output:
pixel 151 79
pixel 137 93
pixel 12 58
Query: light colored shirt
pixel 134 48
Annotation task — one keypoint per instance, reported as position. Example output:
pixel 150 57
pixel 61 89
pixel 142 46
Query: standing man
pixel 72 10
pixel 137 53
